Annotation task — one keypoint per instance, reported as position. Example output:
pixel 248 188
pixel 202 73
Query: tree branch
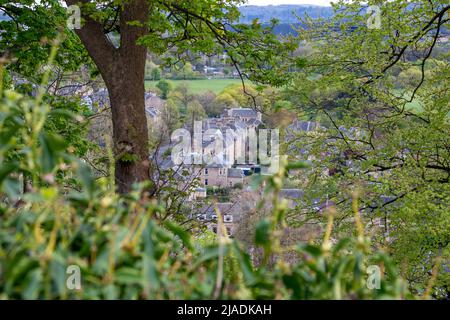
pixel 97 44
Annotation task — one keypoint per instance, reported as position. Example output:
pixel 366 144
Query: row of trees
pixel 154 72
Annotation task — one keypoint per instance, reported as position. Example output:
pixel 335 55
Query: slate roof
pixel 96 99
pixel 152 101
pixel 305 126
pixel 244 112
pixel 152 112
pixel 254 122
pixel 235 173
pixel 291 193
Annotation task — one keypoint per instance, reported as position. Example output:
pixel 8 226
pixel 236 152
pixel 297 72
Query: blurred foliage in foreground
pixel 66 217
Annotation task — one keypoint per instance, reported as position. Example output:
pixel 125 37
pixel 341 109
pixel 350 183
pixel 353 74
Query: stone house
pixel 153 108
pixel 214 176
pixel 221 176
pixel 229 213
pixel 198 193
pixel 235 176
pixel 244 114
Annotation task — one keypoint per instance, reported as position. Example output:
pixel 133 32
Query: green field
pixel 415 105
pixel 200 86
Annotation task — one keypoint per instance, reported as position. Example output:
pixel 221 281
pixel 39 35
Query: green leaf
pixel 58 274
pixel 314 251
pixel 12 187
pixel 128 276
pixel 51 145
pixel 33 284
pixel 297 165
pixel 341 245
pixel 6 169
pixel 150 272
pixel 245 264
pixel 262 233
pixel 182 234
pixel 86 179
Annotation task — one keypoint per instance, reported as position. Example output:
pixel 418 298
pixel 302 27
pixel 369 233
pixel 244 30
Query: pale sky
pixel 275 2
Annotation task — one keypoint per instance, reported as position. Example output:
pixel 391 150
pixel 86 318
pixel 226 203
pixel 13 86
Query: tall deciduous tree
pixel 171 25
pixel 385 138
pixel 123 70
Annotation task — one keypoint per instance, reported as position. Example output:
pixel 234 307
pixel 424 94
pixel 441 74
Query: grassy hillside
pixel 200 86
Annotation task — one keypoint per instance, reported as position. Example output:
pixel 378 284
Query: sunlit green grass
pixel 200 86
pixel 415 105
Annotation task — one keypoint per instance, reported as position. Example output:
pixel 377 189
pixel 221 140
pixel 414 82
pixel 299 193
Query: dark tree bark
pixel 123 71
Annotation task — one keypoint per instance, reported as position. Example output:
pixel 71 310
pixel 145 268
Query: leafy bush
pixel 124 252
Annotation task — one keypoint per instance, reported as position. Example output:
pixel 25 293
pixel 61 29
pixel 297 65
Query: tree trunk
pixel 123 71
pixel 130 133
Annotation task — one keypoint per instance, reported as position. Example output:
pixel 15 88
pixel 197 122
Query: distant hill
pixel 286 14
